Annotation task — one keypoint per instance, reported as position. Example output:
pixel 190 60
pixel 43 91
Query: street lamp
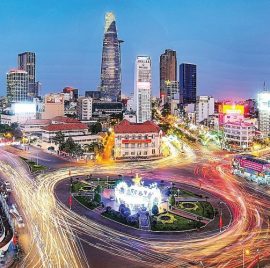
pixel 246 252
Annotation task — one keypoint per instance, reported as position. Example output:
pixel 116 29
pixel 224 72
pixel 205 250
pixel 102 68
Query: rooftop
pixel 37 122
pixel 127 127
pixel 63 127
pixel 66 120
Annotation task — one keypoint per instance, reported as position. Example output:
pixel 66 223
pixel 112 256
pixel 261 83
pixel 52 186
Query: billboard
pixel 23 108
pixel 232 109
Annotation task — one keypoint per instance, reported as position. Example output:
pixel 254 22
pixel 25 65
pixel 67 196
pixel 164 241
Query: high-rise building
pixel 84 108
pixel 168 74
pixel 264 112
pixel 142 88
pixel 27 62
pixel 111 61
pixel 17 86
pixel 188 83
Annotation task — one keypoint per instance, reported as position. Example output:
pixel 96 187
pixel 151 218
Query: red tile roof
pixel 37 122
pixel 62 127
pixel 127 127
pixel 64 119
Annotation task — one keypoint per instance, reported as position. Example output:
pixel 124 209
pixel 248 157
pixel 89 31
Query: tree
pixel 166 110
pixel 172 200
pixel 95 128
pixel 155 210
pixel 59 139
pixel 98 189
pixel 97 198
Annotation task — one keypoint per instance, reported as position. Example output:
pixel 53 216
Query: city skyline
pixel 231 55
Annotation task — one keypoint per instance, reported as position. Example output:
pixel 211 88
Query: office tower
pixel 188 83
pixel 264 112
pixel 111 61
pixel 168 75
pixel 142 88
pixel 17 86
pixel 27 62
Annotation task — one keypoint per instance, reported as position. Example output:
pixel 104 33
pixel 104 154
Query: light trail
pixel 55 230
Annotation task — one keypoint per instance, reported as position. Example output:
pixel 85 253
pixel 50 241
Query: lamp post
pixel 245 252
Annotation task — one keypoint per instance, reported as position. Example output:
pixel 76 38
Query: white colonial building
pixel 137 140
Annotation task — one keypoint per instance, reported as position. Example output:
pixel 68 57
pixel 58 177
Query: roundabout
pixel 79 233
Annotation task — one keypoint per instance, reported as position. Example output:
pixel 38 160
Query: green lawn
pixel 184 193
pixel 201 208
pixel 176 223
pixel 76 186
pixel 86 202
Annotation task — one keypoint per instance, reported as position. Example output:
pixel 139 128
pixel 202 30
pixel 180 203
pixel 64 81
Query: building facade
pixel 142 92
pixel 205 106
pixel 84 108
pixel 137 140
pixel 239 134
pixel 168 74
pixel 17 86
pixel 53 106
pixel 187 83
pixel 110 86
pixel 27 62
pixel 264 112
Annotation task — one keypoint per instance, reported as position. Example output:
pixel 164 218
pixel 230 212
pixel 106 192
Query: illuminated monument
pixel 111 61
pixel 137 196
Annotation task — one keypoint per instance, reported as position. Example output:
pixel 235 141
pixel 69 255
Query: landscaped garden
pixel 33 165
pixel 123 216
pixel 87 195
pixel 200 208
pixel 171 222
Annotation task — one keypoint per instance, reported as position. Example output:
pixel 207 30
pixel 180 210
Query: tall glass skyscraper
pixel 111 61
pixel 188 83
pixel 168 74
pixel 27 62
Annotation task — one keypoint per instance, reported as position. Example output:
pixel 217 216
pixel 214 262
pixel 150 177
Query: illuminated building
pixel 230 112
pixel 252 168
pixel 18 113
pixel 239 134
pixel 168 75
pixel 53 106
pixel 137 140
pixel 17 86
pixel 142 88
pixel 204 108
pixel 84 108
pixel 27 62
pixel 264 112
pixel 187 83
pixel 111 61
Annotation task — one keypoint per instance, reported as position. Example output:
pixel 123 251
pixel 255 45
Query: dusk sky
pixel 228 40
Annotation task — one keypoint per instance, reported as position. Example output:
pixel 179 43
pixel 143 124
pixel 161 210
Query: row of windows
pixel 139 153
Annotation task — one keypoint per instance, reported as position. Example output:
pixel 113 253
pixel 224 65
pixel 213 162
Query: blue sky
pixel 228 40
